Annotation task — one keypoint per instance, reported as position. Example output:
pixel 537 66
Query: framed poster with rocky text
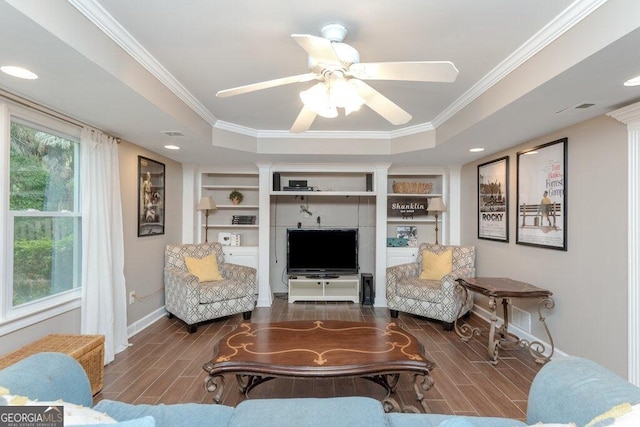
pixel 493 203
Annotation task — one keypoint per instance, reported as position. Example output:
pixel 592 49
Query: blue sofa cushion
pixel 138 422
pixel 309 412
pixel 182 414
pixel 576 390
pixel 48 376
pixel 437 420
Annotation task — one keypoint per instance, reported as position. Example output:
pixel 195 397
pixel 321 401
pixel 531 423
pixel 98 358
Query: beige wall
pixel 589 280
pixel 144 256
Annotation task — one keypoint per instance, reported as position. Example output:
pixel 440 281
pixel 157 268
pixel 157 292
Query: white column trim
pixel 190 193
pixel 380 278
pixel 630 115
pixel 452 188
pixel 265 293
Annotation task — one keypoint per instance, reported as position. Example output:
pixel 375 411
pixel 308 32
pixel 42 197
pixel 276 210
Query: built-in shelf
pixel 219 184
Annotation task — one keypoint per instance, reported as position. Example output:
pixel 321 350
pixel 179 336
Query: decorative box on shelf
pixel 412 187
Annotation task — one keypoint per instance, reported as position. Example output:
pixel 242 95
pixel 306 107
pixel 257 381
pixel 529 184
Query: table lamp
pixel 206 204
pixel 436 205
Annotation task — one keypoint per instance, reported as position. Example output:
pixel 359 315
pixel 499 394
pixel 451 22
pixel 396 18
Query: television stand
pixel 322 276
pixel 334 288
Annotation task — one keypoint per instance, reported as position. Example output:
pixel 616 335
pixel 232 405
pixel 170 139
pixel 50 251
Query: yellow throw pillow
pixel 205 269
pixel 436 266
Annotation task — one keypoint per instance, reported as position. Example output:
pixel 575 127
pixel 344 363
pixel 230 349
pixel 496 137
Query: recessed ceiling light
pixel 476 150
pixel 171 147
pixel 633 82
pixel 21 73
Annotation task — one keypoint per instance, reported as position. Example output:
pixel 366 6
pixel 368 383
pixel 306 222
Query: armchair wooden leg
pixel 170 315
pixel 394 313
pixel 447 326
pixel 192 328
pixel 246 315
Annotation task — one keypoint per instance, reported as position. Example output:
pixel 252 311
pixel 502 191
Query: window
pixel 43 220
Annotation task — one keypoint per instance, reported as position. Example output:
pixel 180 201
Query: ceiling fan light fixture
pixel 343 94
pixel 316 98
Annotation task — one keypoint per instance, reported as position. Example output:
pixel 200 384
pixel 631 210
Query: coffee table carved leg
pixel 215 383
pixel 388 381
pixel 421 383
pixel 246 382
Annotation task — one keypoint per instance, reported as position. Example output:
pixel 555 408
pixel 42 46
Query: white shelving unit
pixel 326 183
pixel 424 225
pixel 219 185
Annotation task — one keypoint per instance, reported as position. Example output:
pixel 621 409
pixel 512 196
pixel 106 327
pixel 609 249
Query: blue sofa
pixel 565 390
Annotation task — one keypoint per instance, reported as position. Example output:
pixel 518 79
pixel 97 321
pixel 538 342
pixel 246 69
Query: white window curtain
pixel 104 309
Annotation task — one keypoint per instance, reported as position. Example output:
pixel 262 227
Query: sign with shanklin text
pixel 407 207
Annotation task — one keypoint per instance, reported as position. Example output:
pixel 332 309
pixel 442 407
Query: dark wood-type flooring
pixel 164 365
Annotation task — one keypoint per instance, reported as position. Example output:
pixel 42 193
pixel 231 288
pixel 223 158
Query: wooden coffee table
pixel 378 352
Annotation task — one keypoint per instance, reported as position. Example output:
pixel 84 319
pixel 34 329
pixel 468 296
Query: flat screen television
pixel 322 252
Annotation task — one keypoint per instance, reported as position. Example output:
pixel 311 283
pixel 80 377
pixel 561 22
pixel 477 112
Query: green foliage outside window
pixel 42 178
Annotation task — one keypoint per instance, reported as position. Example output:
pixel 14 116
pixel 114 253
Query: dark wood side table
pixel 499 336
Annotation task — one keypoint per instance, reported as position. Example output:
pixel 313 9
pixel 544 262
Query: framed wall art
pixel 542 196
pixel 151 181
pixel 493 200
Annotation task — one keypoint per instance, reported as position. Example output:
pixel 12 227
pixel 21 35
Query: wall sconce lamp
pixel 436 205
pixel 206 204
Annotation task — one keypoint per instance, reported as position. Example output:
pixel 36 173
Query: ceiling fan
pixel 337 67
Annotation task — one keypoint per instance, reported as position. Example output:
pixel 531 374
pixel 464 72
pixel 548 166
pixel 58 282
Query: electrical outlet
pixel 132 297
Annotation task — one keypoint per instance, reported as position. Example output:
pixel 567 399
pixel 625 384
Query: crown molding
pixel 562 23
pixel 95 13
pixel 629 115
pixel 569 17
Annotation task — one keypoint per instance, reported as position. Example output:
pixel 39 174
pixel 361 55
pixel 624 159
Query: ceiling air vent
pixel 581 106
pixel 172 133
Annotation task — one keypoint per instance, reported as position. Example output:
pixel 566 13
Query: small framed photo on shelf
pixel 408 232
pixel 150 197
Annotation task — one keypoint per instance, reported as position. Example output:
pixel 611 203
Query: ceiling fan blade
pixel 417 71
pixel 301 78
pixel 318 48
pixel 303 121
pixel 381 104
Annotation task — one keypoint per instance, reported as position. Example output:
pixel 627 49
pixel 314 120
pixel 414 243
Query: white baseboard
pixel 146 321
pixel 486 316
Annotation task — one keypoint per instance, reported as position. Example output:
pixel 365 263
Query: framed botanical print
pixel 151 181
pixel 493 200
pixel 542 196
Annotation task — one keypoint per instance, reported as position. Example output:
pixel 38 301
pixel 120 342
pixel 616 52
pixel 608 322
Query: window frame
pixel 13 318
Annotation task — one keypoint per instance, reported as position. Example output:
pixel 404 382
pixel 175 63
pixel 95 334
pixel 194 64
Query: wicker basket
pixel 412 187
pixel 88 350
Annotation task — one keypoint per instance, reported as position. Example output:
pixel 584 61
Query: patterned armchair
pixel 435 299
pixel 194 302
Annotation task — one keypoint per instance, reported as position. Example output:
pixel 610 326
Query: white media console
pixel 341 288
